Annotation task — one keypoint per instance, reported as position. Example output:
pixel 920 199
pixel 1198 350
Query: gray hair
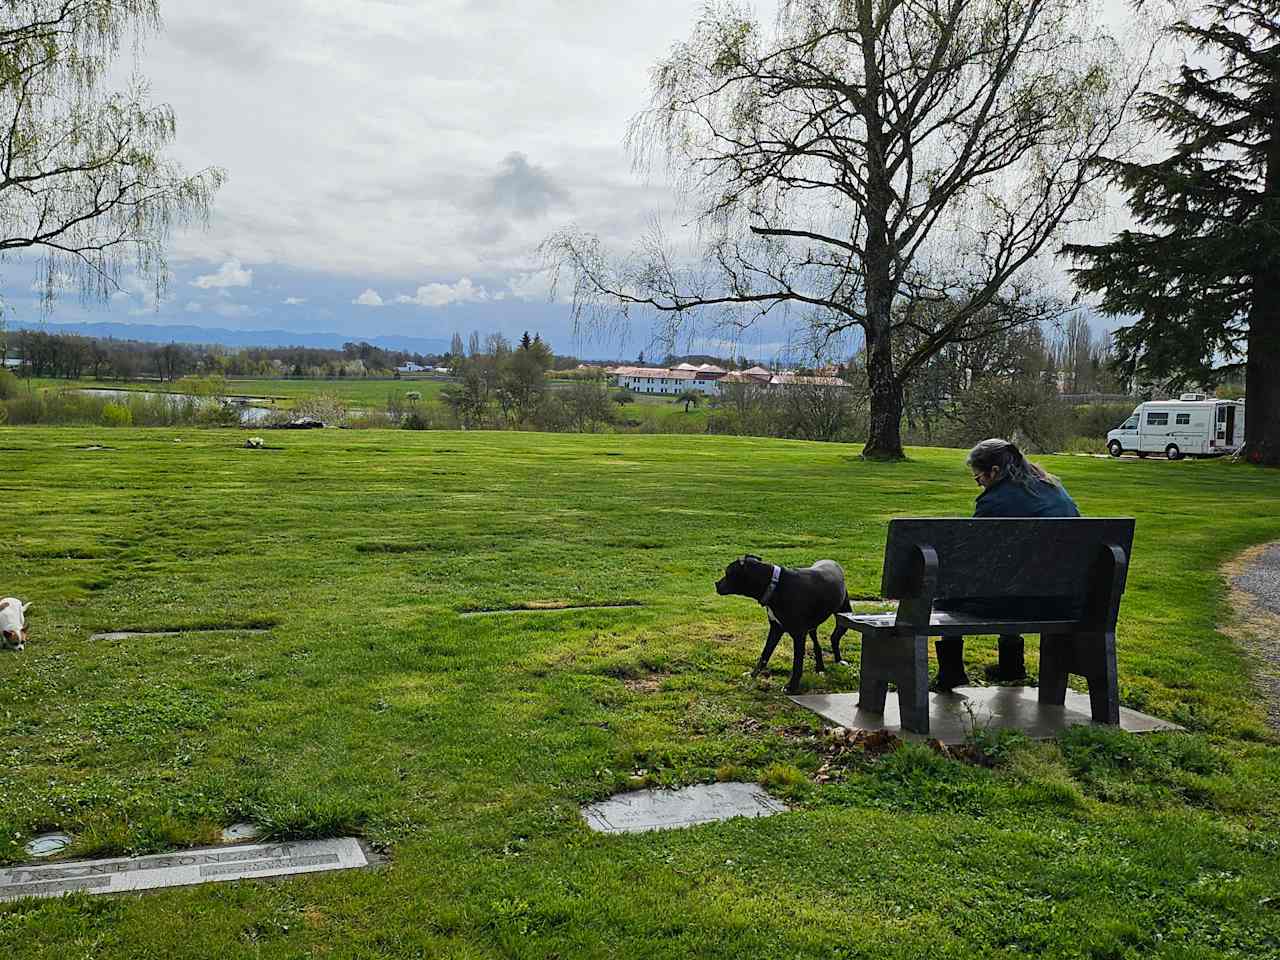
pixel 1005 454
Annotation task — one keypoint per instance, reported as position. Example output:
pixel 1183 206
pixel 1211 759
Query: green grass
pixel 462 746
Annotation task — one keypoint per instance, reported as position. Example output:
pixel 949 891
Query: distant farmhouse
pixel 707 378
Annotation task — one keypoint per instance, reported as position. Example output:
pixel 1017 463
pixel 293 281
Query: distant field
pixel 462 746
pixel 365 393
pixel 651 413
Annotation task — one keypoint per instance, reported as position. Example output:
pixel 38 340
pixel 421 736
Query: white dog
pixel 13 621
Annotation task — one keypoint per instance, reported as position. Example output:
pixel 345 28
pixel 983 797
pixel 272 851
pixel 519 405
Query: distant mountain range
pixel 186 333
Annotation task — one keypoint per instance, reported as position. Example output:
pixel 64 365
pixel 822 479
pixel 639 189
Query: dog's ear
pixel 4 604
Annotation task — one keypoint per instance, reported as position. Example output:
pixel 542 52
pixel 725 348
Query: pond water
pixel 248 414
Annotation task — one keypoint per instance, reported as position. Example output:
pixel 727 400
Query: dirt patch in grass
pixel 649 683
pixel 549 606
pixel 393 547
pixel 1254 627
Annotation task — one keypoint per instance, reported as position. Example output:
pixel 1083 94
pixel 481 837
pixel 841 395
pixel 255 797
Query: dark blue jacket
pixel 1040 498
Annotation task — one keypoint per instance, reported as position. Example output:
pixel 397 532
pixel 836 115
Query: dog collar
pixel 773 585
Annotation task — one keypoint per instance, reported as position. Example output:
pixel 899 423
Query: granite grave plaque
pixel 181 869
pixel 643 810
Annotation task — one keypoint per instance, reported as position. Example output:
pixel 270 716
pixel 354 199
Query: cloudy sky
pixel 393 164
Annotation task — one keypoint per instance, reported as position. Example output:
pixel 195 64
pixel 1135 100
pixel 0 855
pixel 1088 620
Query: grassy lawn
pixel 462 746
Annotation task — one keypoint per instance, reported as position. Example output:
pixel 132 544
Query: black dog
pixel 797 602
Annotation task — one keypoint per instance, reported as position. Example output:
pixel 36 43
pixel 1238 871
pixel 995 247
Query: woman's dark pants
pixel 951 672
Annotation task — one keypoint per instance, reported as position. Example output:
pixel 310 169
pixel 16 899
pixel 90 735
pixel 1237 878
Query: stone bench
pixel 1060 578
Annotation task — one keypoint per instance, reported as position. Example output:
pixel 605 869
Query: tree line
pixel 72 356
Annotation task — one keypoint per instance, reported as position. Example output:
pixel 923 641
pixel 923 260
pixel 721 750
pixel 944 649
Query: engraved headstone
pixel 643 810
pixel 181 869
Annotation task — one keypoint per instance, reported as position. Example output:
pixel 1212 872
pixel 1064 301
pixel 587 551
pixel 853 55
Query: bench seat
pixel 945 623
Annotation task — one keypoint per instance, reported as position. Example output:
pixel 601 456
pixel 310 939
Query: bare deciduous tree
pixel 867 157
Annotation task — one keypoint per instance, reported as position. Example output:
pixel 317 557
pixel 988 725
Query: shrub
pixel 414 420
pixel 8 385
pixel 116 415
pixel 327 408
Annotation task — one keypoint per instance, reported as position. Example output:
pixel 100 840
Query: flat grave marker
pixel 209 865
pixel 642 810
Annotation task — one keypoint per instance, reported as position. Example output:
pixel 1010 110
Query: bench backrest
pixel 1069 558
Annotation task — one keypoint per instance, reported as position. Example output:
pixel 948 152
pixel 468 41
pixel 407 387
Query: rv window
pixel 1157 419
pixel 1182 419
pixel 1130 424
pixel 1222 414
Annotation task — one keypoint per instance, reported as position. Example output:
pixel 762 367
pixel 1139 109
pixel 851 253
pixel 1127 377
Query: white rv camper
pixel 1191 426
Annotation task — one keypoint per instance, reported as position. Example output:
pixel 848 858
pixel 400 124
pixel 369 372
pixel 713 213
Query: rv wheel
pixel 1172 452
pixel 1114 448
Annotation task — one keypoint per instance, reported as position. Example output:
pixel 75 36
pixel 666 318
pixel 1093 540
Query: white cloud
pixel 534 286
pixel 443 294
pixel 230 274
pixel 194 307
pixel 369 298
pixel 293 301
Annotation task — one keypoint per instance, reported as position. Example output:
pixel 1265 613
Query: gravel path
pixel 1255 582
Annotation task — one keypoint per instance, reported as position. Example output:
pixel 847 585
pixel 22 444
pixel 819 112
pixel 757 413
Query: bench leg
pixel 1056 661
pixel 904 660
pixel 1092 656
pixel 1096 653
pixel 874 674
pixel 913 685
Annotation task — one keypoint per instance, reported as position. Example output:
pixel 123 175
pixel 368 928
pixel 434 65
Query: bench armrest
pixel 1108 577
pixel 915 609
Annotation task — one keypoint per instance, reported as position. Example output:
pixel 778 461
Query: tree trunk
pixel 884 437
pixel 1262 392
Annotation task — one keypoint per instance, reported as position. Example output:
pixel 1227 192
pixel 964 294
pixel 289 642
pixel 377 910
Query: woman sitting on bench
pixel 1012 486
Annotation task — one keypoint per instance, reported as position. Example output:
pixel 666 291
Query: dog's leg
pixel 775 634
pixel 836 634
pixel 797 663
pixel 817 652
pixel 840 630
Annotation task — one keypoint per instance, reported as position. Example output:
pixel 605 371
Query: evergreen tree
pixel 1202 269
pixel 525 342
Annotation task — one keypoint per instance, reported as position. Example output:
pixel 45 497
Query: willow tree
pixel 864 162
pixel 84 181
